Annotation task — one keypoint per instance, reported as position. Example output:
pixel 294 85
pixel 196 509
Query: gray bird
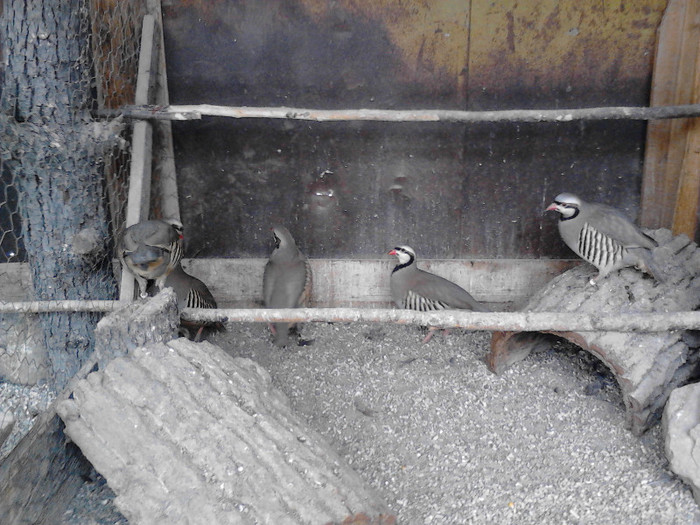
pixel 149 249
pixel 191 293
pixel 603 236
pixel 286 280
pixel 416 289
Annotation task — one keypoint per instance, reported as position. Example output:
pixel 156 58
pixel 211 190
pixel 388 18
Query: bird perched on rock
pixel 416 289
pixel 191 293
pixel 603 236
pixel 149 249
pixel 286 280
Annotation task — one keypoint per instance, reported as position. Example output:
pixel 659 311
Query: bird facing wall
pixel 149 249
pixel 287 280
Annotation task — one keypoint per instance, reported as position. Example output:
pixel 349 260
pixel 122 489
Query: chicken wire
pixel 105 44
pixel 113 32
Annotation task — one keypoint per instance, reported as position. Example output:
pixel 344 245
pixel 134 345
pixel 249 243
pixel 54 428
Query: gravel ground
pixel 25 403
pixel 444 440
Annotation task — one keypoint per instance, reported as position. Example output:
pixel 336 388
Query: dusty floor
pixel 445 441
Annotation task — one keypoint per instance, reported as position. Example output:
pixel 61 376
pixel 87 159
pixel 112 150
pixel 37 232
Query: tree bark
pixel 183 432
pixel 647 365
pixel 53 149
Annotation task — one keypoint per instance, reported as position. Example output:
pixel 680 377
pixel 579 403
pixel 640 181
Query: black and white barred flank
pixel 176 252
pixel 598 248
pixel 196 300
pixel 413 301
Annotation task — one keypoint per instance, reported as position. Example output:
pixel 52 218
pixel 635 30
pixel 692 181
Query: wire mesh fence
pixel 63 173
pixel 64 170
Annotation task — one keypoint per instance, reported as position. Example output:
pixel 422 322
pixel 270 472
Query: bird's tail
pixel 281 334
pixel 647 264
pixel 478 307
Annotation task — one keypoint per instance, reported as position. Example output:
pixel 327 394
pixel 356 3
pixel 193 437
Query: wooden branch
pixel 59 306
pixel 507 321
pixel 139 198
pixel 145 81
pixel 164 173
pixel 193 112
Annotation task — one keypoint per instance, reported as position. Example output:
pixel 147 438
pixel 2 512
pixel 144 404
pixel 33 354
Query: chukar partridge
pixel 416 289
pixel 191 293
pixel 149 249
pixel 286 280
pixel 603 236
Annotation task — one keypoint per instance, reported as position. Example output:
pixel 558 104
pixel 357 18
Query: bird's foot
pixel 431 333
pixel 594 281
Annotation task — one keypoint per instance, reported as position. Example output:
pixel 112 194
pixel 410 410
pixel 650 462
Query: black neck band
pixel 410 261
pixel 562 218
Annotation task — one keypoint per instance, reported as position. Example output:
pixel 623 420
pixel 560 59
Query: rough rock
pixel 681 426
pixel 647 366
pixel 43 472
pixel 184 430
pixel 23 356
pixel 7 423
pixel 139 323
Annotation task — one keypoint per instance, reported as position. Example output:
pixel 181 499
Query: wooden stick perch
pixel 507 321
pixel 193 112
pixel 60 306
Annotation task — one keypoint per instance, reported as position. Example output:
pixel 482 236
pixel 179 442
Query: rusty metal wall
pixel 357 189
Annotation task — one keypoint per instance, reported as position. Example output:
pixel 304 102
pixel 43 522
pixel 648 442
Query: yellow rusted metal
pixel 549 43
pixel 457 47
pixel 432 37
pixel 499 43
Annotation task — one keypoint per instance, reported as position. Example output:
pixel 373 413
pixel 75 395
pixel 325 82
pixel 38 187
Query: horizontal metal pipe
pixel 492 321
pixel 193 112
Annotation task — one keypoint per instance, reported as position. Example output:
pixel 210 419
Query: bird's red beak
pixel 392 252
pixel 551 207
